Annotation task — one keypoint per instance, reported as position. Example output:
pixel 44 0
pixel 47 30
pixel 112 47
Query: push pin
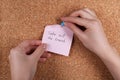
pixel 62 23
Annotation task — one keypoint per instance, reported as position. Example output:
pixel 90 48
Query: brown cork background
pixel 25 19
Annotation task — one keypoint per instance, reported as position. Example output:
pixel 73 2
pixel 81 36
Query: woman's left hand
pixel 24 59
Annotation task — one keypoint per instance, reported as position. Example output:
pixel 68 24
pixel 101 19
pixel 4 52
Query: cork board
pixel 25 19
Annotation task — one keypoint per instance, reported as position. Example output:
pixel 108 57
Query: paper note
pixel 58 39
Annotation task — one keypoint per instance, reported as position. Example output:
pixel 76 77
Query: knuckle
pixel 26 41
pixel 9 57
pixel 86 9
pixel 94 23
pixel 89 10
pixel 81 11
pixel 12 50
pixel 11 53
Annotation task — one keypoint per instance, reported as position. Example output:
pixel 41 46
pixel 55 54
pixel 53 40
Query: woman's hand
pixel 93 37
pixel 24 58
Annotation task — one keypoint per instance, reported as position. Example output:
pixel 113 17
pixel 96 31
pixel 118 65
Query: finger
pixel 42 59
pixel 76 20
pixel 39 51
pixel 78 32
pixel 90 11
pixel 45 55
pixel 27 45
pixel 82 14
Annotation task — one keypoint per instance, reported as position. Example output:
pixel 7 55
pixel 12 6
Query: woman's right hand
pixel 93 37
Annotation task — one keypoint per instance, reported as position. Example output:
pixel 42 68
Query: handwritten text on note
pixel 58 39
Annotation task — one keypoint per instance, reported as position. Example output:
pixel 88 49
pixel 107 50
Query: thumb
pixel 39 51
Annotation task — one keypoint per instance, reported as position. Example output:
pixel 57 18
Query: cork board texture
pixel 26 19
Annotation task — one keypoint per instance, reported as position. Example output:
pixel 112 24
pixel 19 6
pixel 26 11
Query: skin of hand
pixel 93 35
pixel 94 38
pixel 24 59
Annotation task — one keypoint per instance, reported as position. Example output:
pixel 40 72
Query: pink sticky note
pixel 58 39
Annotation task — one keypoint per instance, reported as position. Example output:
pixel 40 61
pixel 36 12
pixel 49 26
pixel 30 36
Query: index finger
pixel 80 21
pixel 27 45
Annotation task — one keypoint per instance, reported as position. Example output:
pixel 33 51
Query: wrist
pixel 103 50
pixel 107 53
pixel 20 76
